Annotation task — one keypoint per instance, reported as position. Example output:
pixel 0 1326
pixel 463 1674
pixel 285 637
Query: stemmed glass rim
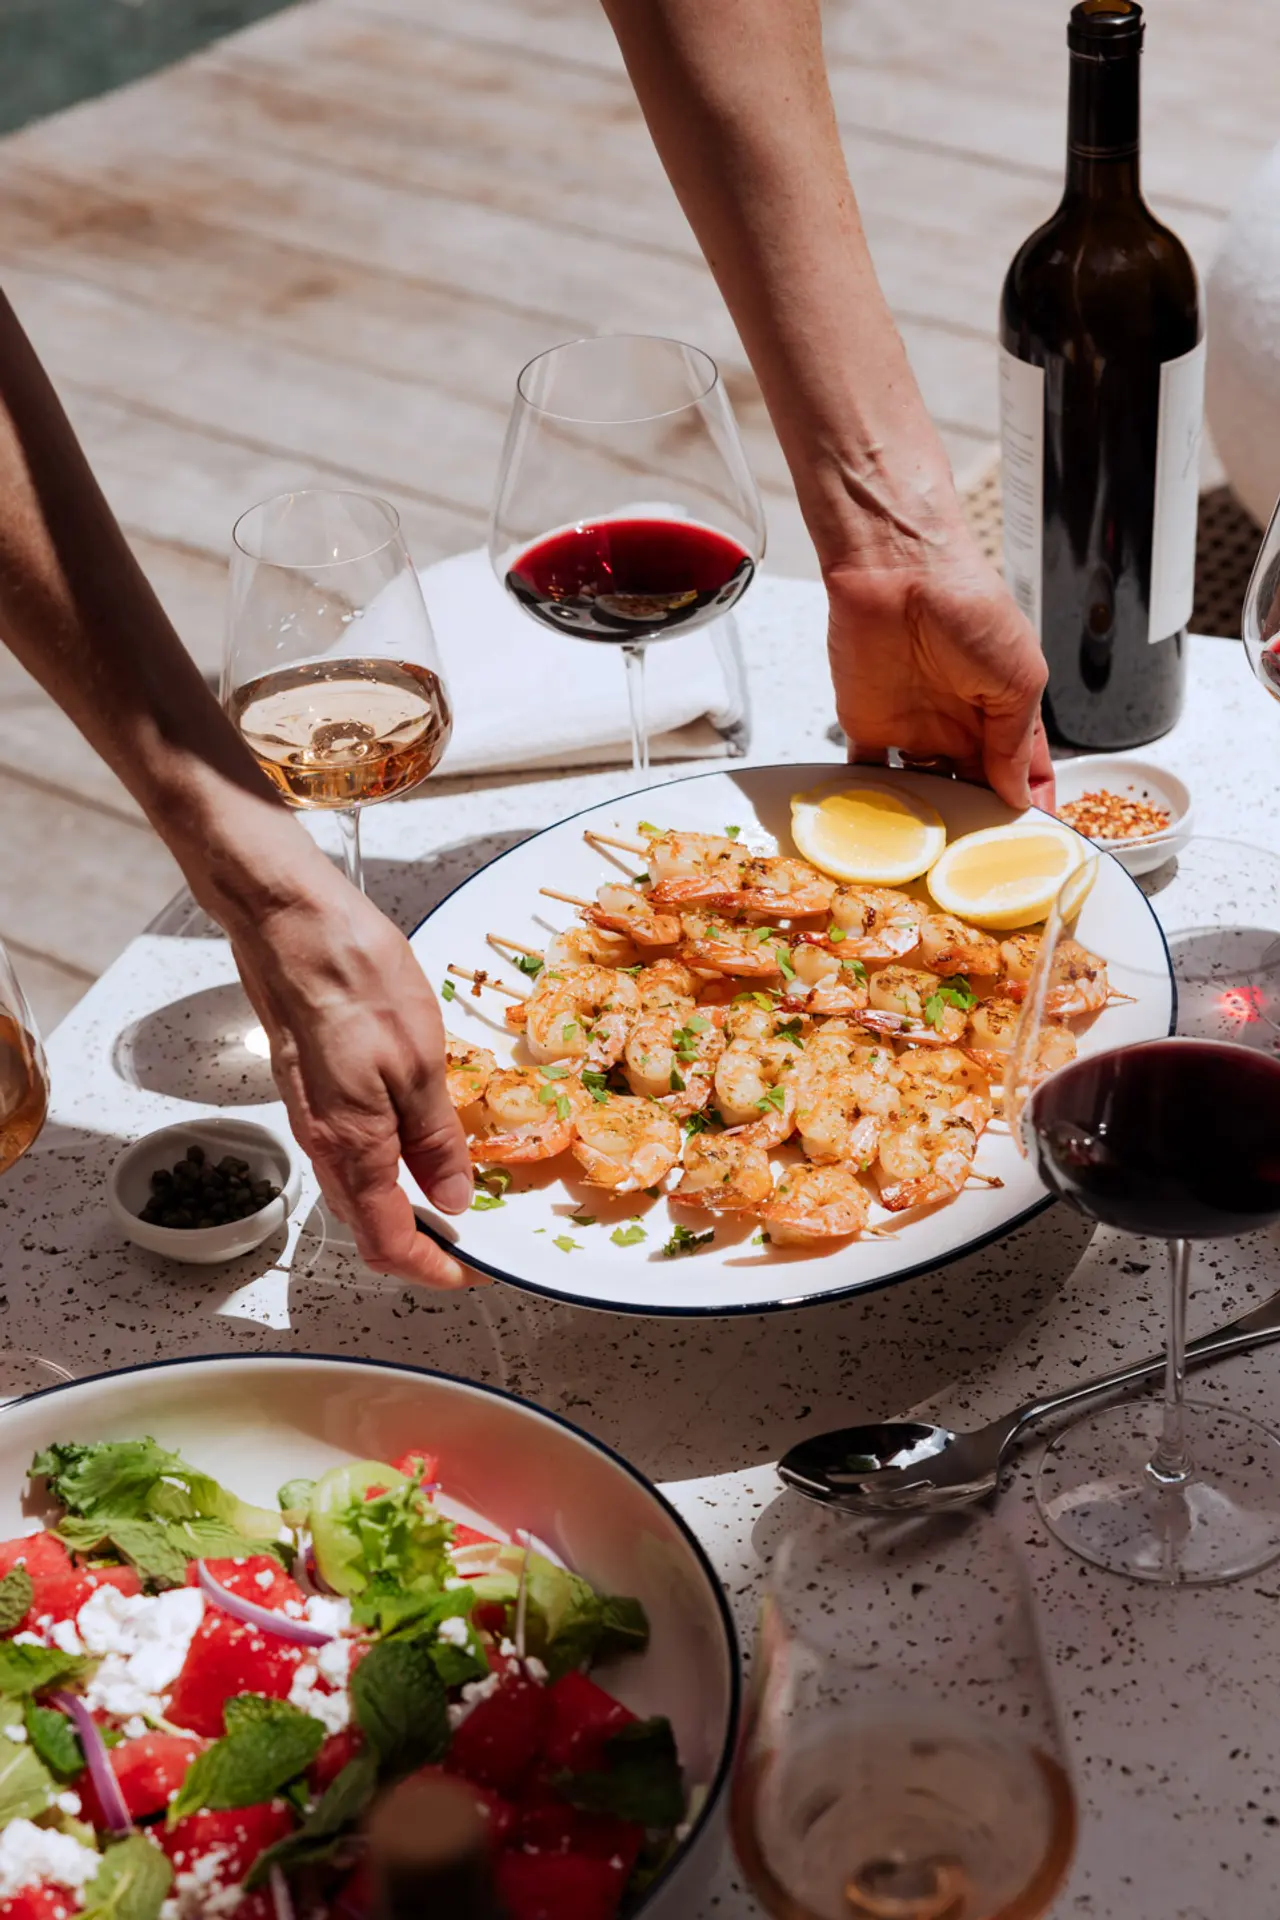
pixel 1251 612
pixel 617 420
pixel 251 552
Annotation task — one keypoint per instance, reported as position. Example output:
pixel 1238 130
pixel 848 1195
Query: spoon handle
pixel 1253 1329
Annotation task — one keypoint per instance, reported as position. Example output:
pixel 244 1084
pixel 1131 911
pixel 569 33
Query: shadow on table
pixel 408 890
pixel 1228 983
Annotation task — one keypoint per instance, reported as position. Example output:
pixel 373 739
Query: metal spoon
pixel 910 1466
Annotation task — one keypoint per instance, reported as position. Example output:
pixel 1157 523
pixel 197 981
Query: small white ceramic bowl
pixel 1133 780
pixel 257 1420
pixel 270 1156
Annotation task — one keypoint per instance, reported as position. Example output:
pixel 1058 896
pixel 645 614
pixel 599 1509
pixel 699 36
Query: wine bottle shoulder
pixel 1114 269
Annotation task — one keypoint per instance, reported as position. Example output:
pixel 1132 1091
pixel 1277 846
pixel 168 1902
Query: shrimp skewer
pixel 525 1116
pixel 871 923
pixel 625 1144
pixel 573 947
pixel 582 1016
pixel 949 946
pixel 724 1172
pixel 810 1204
pixel 624 910
pixel 468 1071
pixel 480 979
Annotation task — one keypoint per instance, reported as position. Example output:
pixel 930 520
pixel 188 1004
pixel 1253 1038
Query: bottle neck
pixel 1103 124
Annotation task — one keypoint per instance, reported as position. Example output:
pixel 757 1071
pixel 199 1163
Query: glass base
pixel 1097 1496
pixel 22 1373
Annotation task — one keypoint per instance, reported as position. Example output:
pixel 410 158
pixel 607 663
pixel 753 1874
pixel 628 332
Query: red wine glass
pixel 625 511
pixel 1174 1140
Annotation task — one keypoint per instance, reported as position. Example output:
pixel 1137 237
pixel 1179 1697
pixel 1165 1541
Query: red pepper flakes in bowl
pixel 1102 815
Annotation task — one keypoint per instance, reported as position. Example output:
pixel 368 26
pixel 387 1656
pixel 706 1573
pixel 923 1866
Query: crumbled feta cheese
pixel 143 1640
pixel 334 1662
pixel 64 1636
pixel 507 1648
pixel 535 1670
pixel 17 1732
pixel 331 1615
pixel 293 1608
pixel 29 1854
pixel 134 1727
pixel 265 1579
pixel 332 1710
pixel 472 1694
pixel 27 1639
pixel 67 1802
pixel 454 1631
pixel 202 1892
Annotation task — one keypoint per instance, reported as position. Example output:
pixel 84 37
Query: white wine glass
pixel 24 1108
pixel 625 510
pixel 331 671
pixel 902 1757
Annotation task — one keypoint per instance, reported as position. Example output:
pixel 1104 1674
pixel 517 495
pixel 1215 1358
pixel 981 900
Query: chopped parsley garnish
pixel 628 1236
pixel 783 959
pixel 760 998
pixel 836 934
pixel 562 1106
pixel 759 1239
pixel 683 1240
pixel 653 833
pixel 675 1083
pixel 856 968
pixel 633 971
pixel 958 993
pixel 685 1042
pixel 775 1098
pixel 790 1030
pixel 731 833
pixel 568 1030
pixel 583 1219
pixel 482 1202
pixel 496 1179
pixel 559 1071
pixel 565 1244
pixel 696 1123
pixel 597 1085
pixel 697 1024
pixel 530 963
pixel 448 991
pixel 654 1193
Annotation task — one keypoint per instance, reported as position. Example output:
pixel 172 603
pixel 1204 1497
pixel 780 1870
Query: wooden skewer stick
pixel 608 840
pixel 500 941
pixel 987 1179
pixel 1129 999
pixel 482 979
pixel 570 899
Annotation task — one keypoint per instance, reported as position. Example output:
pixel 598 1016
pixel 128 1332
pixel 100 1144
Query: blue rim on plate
pixel 724 1765
pixel 829 1295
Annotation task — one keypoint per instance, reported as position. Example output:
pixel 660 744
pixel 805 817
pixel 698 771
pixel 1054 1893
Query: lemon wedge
pixel 872 833
pixel 1008 876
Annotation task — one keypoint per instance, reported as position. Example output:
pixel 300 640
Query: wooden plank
pixel 76 884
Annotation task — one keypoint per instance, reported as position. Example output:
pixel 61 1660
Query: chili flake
pixel 1114 816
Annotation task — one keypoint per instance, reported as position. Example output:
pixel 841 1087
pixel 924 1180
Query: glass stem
pixel 349 828
pixel 1170 1463
pixel 634 657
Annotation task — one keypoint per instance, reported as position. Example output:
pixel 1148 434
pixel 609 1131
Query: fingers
pixel 1043 790
pixel 432 1141
pixel 1008 735
pixel 361 1187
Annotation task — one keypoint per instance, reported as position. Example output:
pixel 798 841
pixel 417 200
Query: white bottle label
pixel 1022 480
pixel 1173 534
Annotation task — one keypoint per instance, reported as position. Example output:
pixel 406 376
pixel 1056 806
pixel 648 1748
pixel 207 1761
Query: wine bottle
pixel 429 1854
pixel 1101 407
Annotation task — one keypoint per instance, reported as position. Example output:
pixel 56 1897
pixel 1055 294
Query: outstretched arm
pixel 928 652
pixel 356 1037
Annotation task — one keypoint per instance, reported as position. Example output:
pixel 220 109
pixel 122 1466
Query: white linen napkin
pixel 524 696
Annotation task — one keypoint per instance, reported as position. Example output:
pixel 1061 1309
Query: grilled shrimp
pixel 468 1070
pixel 814 1203
pixel 588 947
pixel 724 1171
pixel 993 1029
pixel 906 992
pixel 624 1144
pixel 582 1016
pixel 778 886
pixel 873 923
pixel 755 1090
pixel 623 909
pixel 944 1078
pixel 671 1058
pixel 712 945
pixel 1078 983
pixel 949 946
pixel 524 1115
pixel 846 1090
pixel 667 985
pixel 927 1156
pixel 824 983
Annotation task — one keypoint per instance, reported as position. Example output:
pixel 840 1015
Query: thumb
pixel 435 1148
pixel 1008 736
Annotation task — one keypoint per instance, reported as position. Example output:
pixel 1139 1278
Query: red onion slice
pixel 299 1633
pixel 98 1761
pixel 281 1898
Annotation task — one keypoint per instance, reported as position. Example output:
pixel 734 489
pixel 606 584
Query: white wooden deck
pixel 318 253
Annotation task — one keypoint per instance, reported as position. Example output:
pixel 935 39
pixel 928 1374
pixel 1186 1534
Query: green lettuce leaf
pixel 27 1788
pixel 16 1595
pixel 267 1744
pixel 640 1780
pixel 394 1535
pixel 131 1883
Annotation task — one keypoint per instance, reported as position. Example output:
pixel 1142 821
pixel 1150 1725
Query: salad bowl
pixel 257 1423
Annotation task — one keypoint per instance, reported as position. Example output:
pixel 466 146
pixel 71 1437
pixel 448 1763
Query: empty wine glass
pixel 1176 1140
pixel 625 510
pixel 1260 627
pixel 902 1757
pixel 331 671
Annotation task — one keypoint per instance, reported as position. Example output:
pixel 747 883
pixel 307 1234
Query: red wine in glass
pixel 1174 1139
pixel 621 580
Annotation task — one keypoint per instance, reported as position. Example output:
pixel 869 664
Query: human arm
pixel 928 651
pixel 355 1033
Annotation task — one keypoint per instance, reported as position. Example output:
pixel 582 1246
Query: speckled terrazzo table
pixel 1172 1700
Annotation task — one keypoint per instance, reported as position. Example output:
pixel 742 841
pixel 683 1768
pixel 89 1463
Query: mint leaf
pixel 131 1883
pixel 640 1780
pixel 267 1744
pixel 628 1236
pixel 161 1550
pixel 26 1785
pixel 325 1828
pixel 16 1595
pixel 624 1626
pixel 399 1703
pixel 54 1740
pixel 25 1669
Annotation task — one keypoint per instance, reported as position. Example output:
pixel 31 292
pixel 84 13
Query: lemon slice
pixel 1008 876
pixel 869 832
